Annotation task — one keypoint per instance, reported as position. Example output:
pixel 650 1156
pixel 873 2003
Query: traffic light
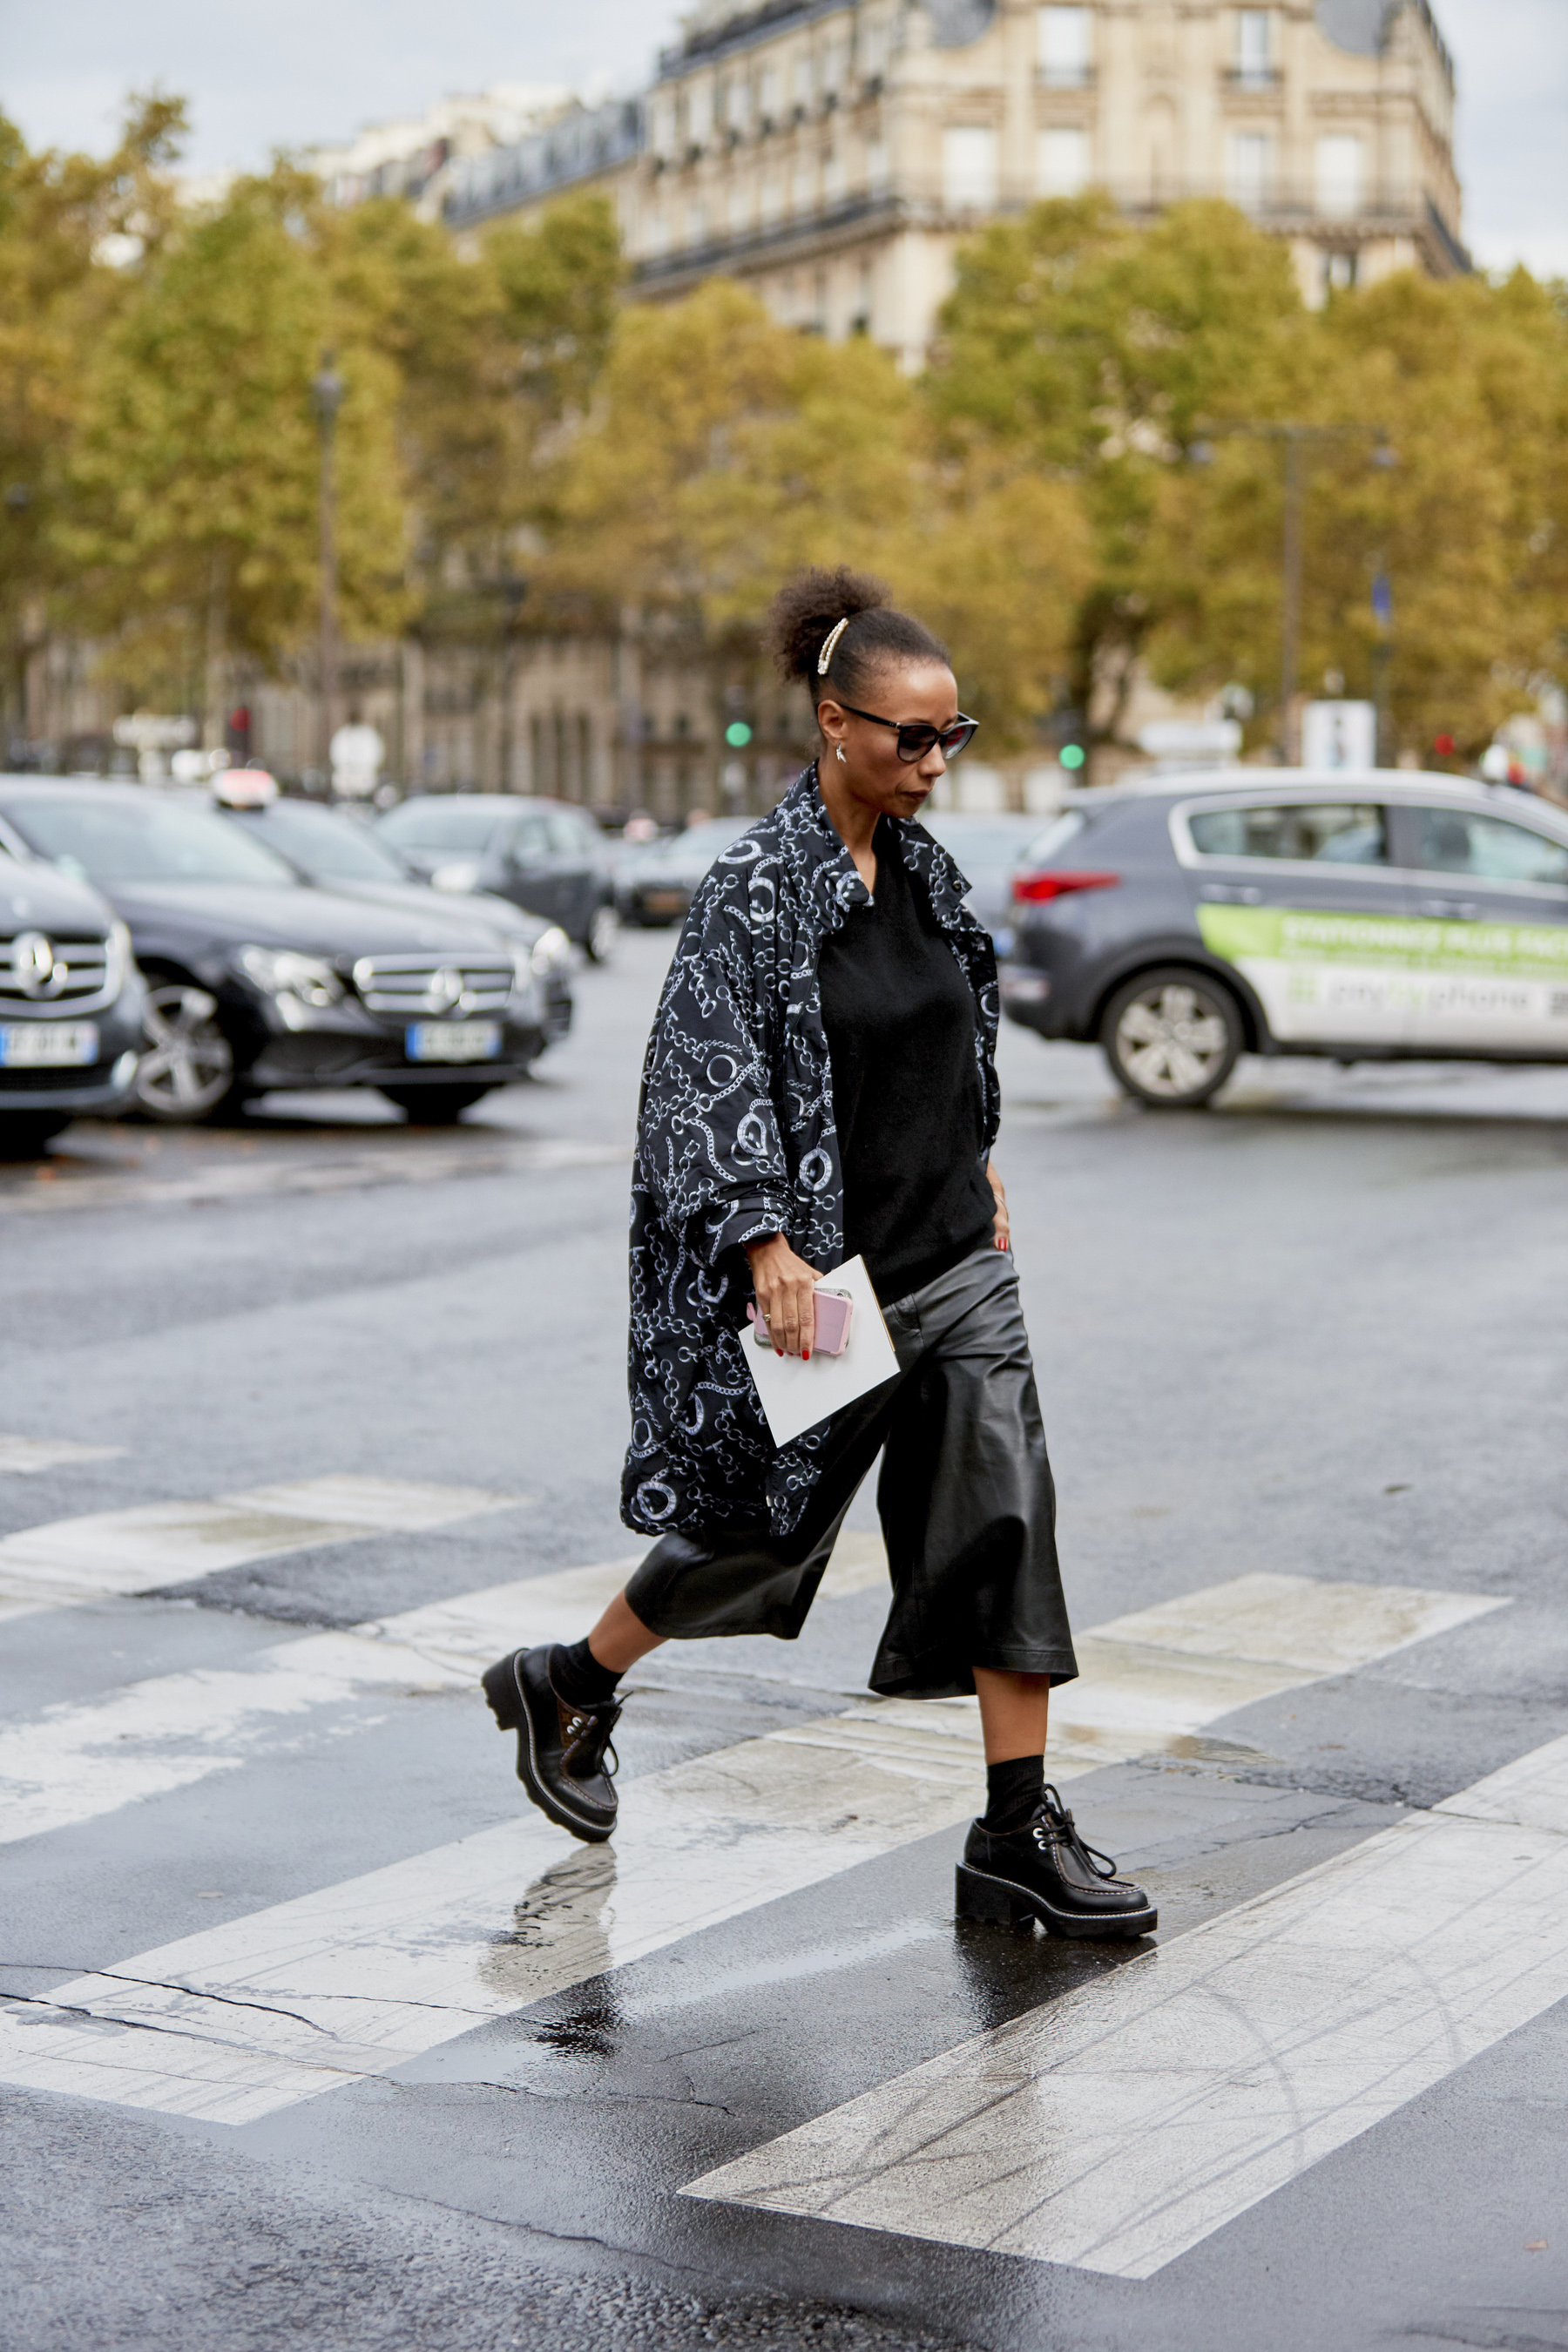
pixel 1072 755
pixel 738 734
pixel 1445 746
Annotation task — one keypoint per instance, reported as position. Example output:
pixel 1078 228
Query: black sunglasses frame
pixel 954 740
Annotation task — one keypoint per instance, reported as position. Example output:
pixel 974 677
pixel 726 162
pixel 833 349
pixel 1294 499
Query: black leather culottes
pixel 965 1498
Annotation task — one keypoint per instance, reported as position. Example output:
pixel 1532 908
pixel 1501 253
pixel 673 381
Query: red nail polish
pixel 805 1355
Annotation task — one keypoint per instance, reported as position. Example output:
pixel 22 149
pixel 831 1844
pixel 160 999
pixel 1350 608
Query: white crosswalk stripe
pixel 107 1553
pixel 21 1456
pixel 1137 2114
pixel 356 1979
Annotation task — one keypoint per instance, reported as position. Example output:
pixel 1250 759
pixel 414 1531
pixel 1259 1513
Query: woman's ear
pixel 834 725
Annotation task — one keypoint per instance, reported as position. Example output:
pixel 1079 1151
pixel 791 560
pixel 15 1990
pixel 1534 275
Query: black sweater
pixel 906 1100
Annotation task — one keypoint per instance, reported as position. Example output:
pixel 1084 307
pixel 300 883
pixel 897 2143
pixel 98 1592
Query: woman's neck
pixel 853 821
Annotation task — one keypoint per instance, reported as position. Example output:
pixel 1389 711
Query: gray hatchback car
pixel 1383 915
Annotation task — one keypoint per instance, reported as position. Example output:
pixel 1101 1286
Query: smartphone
pixel 832 1313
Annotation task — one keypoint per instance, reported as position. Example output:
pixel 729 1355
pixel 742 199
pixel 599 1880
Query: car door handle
pixel 1231 894
pixel 1462 910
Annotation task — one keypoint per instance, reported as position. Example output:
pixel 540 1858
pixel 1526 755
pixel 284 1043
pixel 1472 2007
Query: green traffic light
pixel 738 734
pixel 1072 755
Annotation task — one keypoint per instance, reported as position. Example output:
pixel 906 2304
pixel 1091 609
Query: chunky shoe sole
pixel 1003 1901
pixel 499 1683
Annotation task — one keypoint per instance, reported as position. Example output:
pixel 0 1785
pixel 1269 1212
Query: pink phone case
pixel 832 1314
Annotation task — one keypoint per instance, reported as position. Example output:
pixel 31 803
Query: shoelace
pixel 588 1743
pixel 1062 1828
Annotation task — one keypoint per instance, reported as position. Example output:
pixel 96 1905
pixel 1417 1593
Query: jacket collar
pixel 828 875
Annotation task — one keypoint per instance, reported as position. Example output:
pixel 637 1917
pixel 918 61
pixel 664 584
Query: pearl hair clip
pixel 825 655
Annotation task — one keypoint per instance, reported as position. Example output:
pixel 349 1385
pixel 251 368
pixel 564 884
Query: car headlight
pixel 462 874
pixel 551 952
pixel 282 971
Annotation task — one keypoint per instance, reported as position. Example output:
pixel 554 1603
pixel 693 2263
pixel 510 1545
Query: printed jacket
pixel 736 1140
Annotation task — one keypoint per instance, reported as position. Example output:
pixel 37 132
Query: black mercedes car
pixel 542 855
pixel 341 852
pixel 1371 916
pixel 257 982
pixel 72 1005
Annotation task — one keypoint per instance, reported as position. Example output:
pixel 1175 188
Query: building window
pixel 1246 172
pixel 802 79
pixel 876 166
pixel 585 757
pixel 1065 52
pixel 873 45
pixel 1337 174
pixel 772 200
pixel 1063 161
pixel 740 210
pixel 768 93
pixel 802 188
pixel 696 223
pixel 656 234
pixel 1340 271
pixel 1254 58
pixel 969 169
pixel 698 112
pixel 832 177
pixel 663 127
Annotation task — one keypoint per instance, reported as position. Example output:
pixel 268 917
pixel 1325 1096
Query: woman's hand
pixel 783 1284
pixel 1001 1222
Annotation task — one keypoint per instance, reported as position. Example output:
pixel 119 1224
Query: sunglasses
pixel 916 735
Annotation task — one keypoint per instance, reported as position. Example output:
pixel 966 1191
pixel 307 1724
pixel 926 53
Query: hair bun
pixel 808 608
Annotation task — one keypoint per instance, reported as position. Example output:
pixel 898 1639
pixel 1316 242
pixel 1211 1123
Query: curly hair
pixel 808 610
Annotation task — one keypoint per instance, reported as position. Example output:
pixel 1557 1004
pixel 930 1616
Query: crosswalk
pixel 1141 2112
pixel 280 2006
pixel 1111 2129
pixel 105 1553
pixel 20 1456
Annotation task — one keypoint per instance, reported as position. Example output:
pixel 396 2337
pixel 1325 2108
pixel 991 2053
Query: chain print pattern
pixel 736 1140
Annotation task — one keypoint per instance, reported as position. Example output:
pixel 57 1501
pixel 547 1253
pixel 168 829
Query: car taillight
pixel 1033 889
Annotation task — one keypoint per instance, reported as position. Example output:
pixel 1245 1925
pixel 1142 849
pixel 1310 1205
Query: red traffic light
pixel 1444 746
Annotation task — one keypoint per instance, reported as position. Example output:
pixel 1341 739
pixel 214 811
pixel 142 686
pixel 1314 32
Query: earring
pixel 842 761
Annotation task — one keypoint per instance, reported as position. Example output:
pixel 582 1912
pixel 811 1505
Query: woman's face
pixel 871 769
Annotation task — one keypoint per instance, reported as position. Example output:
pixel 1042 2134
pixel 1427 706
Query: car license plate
pixel 47 1045
pixel 454 1041
pixel 663 902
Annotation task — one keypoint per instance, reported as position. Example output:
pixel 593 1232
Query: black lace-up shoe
pixel 1046 1872
pixel 562 1750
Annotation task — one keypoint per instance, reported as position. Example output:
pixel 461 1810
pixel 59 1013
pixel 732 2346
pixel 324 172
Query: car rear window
pixel 1334 833
pixel 1452 841
pixel 115 841
pixel 441 824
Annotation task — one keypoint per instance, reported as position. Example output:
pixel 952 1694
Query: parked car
pixel 342 852
pixel 1378 916
pixel 72 1005
pixel 257 980
pixel 654 882
pixel 542 855
pixel 989 850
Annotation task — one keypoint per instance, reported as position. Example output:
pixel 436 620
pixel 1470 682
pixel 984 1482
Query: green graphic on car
pixel 1397 978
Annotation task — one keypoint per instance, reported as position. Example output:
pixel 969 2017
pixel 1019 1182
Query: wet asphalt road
pixel 1316 1333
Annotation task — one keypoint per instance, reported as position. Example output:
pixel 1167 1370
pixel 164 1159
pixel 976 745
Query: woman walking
pixel 820 1084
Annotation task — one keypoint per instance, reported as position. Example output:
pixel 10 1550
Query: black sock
pixel 1013 1793
pixel 578 1677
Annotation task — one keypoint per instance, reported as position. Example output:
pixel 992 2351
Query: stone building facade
pixel 832 156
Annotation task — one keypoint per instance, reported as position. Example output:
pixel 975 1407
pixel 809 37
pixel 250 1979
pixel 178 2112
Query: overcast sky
pixel 290 72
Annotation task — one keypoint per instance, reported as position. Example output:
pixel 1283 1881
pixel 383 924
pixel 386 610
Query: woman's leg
pixel 620 1638
pixel 1013 1710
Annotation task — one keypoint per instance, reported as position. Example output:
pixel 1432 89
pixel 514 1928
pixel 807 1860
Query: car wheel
pixel 23 1136
pixel 435 1106
pixel 1173 1038
pixel 187 1073
pixel 601 940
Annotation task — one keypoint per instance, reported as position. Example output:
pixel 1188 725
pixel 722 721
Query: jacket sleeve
pixel 710 1144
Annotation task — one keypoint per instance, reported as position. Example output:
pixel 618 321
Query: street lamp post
pixel 327 397
pixel 1296 440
